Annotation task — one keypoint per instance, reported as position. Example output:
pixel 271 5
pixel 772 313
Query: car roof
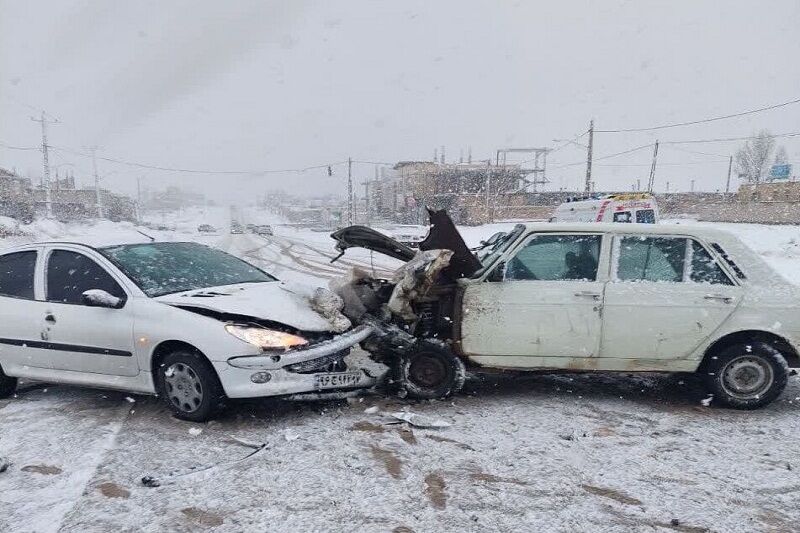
pixel 30 245
pixel 704 232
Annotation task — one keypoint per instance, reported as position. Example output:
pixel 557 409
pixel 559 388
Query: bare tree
pixel 752 159
pixel 781 157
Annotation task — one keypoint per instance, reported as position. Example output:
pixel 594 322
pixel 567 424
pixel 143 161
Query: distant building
pixel 16 196
pixel 470 192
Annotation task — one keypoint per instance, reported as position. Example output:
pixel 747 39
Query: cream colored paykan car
pixel 586 297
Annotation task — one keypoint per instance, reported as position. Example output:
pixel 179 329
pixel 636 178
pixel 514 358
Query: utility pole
pixel 651 183
pixel 692 186
pixel 588 187
pixel 488 185
pixel 46 164
pixel 350 207
pixel 638 184
pixel 98 200
pixel 728 183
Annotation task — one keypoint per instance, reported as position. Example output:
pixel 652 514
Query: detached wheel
pixel 7 385
pixel 431 371
pixel 746 375
pixel 189 385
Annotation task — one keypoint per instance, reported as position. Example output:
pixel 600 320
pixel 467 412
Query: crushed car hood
pixel 305 309
pixel 442 235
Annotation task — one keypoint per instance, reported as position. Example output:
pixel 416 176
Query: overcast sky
pixel 259 85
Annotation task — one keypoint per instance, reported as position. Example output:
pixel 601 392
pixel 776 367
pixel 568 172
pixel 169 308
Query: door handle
pixel 49 317
pixel 721 297
pixel 588 294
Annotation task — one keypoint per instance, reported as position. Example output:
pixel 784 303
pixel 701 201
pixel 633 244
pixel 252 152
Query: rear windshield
pixel 169 267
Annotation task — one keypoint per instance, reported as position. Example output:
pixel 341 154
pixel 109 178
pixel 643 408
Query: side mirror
pixel 101 298
pixel 499 273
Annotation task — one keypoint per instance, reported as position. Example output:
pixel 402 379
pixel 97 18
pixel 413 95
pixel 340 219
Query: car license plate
pixel 334 380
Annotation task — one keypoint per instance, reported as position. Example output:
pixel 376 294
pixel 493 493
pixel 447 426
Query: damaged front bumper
pixel 283 373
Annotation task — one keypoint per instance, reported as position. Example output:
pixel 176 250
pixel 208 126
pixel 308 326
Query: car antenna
pixel 337 257
pixel 152 239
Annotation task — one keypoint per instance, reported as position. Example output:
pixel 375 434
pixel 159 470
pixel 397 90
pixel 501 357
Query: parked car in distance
pixel 236 228
pixel 206 228
pixel 251 228
pixel 589 297
pixel 265 230
pixel 181 320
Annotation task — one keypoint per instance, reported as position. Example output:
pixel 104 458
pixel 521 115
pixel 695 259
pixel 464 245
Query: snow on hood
pixel 306 309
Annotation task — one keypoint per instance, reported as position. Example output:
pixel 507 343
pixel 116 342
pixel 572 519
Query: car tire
pixel 8 385
pixel 431 371
pixel 190 386
pixel 746 375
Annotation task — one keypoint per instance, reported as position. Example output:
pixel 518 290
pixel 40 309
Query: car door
pixel 20 343
pixel 83 338
pixel 665 296
pixel 546 307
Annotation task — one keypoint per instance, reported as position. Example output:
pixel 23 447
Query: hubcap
pixel 747 377
pixel 427 370
pixel 183 387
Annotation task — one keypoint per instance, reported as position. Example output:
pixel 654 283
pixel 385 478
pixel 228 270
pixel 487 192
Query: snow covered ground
pixel 588 452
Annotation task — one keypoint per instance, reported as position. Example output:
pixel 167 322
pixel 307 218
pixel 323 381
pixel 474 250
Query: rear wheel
pixel 430 371
pixel 7 385
pixel 746 375
pixel 189 385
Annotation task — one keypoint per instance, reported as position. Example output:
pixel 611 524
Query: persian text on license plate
pixel 335 380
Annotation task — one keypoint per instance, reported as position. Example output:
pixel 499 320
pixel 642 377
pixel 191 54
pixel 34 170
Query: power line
pixel 198 171
pixel 10 147
pixel 609 156
pixel 729 139
pixel 702 121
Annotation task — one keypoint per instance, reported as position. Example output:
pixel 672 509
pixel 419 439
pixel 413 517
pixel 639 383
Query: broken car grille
pixel 328 363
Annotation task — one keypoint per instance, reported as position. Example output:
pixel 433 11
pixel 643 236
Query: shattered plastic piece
pixel 150 481
pixel 419 421
pixel 371 410
pixel 129 399
pixel 707 401
pixel 415 279
pixel 195 431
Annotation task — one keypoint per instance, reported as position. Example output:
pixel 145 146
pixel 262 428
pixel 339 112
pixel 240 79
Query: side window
pixel 705 269
pixel 622 216
pixel 16 274
pixel 645 216
pixel 69 274
pixel 651 259
pixel 556 258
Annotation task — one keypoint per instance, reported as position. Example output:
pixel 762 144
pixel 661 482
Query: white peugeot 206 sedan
pixel 182 320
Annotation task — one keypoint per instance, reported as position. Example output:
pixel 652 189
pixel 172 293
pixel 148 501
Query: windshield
pixel 488 255
pixel 167 267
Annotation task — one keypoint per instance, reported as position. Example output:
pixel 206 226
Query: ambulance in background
pixel 640 208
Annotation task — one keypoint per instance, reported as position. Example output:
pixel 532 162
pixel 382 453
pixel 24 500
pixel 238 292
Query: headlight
pixel 265 339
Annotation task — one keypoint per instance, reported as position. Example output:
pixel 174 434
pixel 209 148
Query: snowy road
pixel 534 452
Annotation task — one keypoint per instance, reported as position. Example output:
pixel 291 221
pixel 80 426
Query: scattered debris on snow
pixel 129 399
pixel 290 435
pixel 371 410
pixel 195 431
pixel 419 421
pixel 707 401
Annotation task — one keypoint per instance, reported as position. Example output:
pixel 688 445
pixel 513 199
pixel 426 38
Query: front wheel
pixel 189 385
pixel 746 375
pixel 431 371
